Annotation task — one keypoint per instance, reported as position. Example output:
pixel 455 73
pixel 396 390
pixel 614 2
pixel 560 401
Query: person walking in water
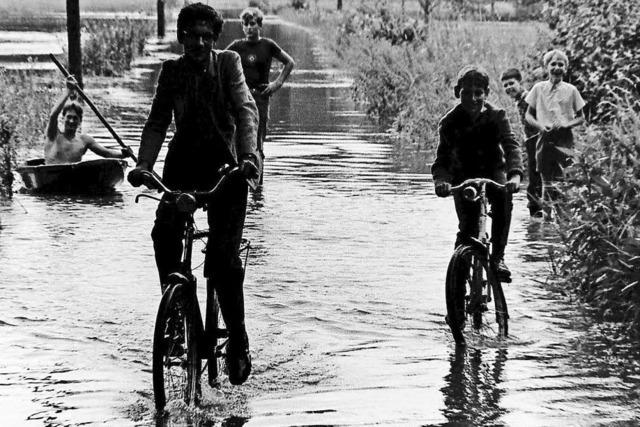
pixel 555 108
pixel 257 54
pixel 68 145
pixel 512 83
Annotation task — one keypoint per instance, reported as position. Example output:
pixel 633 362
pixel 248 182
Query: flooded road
pixel 344 292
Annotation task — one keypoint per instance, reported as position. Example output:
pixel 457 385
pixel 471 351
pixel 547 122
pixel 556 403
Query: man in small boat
pixel 68 146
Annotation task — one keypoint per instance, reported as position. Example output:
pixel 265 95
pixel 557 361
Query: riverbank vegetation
pixel 601 260
pixel 23 118
pixel 113 44
pixel 403 67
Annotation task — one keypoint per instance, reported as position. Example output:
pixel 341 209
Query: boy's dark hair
pixel 75 106
pixel 199 12
pixel 511 73
pixel 471 74
pixel 252 12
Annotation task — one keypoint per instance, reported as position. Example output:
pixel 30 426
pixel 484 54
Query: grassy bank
pixel 23 118
pixel 404 70
pixel 601 231
pixel 113 44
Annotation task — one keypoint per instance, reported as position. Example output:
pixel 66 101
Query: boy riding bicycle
pixel 476 141
pixel 216 122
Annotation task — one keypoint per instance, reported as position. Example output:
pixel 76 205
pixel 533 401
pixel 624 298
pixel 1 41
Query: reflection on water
pixel 344 292
pixel 473 386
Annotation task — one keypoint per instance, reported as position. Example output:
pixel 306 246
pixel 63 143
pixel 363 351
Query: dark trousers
pixel 551 163
pixel 469 213
pixel 262 102
pixel 534 188
pixel 223 265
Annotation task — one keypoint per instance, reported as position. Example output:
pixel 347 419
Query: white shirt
pixel 557 103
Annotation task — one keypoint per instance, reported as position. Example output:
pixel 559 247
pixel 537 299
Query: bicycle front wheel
pixel 470 288
pixel 176 367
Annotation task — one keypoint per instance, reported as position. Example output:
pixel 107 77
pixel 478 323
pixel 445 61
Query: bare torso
pixel 65 150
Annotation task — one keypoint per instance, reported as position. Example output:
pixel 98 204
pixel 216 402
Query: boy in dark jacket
pixel 476 141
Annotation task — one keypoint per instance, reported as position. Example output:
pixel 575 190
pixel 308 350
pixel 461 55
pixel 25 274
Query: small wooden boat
pixel 86 177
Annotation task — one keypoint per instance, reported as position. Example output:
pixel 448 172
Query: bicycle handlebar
pixel 188 197
pixel 477 181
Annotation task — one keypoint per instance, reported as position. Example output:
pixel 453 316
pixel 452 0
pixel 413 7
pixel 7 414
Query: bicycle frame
pixel 481 278
pixel 481 240
pixel 187 203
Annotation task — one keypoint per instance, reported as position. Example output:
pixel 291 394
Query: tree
pixel 427 6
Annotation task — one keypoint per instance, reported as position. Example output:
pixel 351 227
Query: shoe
pixel 238 359
pixel 502 271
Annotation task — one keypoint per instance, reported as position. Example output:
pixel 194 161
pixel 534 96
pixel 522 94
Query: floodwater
pixel 344 292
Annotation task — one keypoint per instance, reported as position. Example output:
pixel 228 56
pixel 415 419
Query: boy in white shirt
pixel 555 107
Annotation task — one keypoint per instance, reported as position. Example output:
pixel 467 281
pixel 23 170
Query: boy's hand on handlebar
pixel 443 189
pixel 248 168
pixel 513 184
pixel 136 176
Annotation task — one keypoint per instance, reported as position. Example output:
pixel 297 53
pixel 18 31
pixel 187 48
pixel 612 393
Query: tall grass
pixel 407 87
pixel 602 231
pixel 23 118
pixel 40 7
pixel 113 44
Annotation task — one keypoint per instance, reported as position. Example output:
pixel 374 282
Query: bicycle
pixel 472 282
pixel 180 340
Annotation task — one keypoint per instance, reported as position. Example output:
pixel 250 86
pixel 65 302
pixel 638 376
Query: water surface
pixel 344 291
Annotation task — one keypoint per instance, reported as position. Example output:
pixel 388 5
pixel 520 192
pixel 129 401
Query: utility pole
pixel 73 39
pixel 161 20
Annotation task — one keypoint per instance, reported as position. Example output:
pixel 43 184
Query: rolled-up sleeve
pixel 155 128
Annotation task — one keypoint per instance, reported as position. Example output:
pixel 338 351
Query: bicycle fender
pixel 177 279
pixel 478 245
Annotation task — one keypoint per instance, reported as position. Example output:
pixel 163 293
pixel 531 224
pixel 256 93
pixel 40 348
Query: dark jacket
pixel 485 148
pixel 226 117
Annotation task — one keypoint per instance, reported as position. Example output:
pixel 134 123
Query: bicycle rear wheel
pixel 176 367
pixel 217 339
pixel 470 286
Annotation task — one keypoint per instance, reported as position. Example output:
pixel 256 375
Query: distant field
pixel 39 7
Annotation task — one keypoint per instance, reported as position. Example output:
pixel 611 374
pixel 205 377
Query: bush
pixel 23 119
pixel 407 87
pixel 112 45
pixel 602 40
pixel 299 4
pixel 378 23
pixel 602 232
pixel 263 5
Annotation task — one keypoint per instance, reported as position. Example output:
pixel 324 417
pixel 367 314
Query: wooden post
pixel 161 20
pixel 73 39
pixel 339 4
